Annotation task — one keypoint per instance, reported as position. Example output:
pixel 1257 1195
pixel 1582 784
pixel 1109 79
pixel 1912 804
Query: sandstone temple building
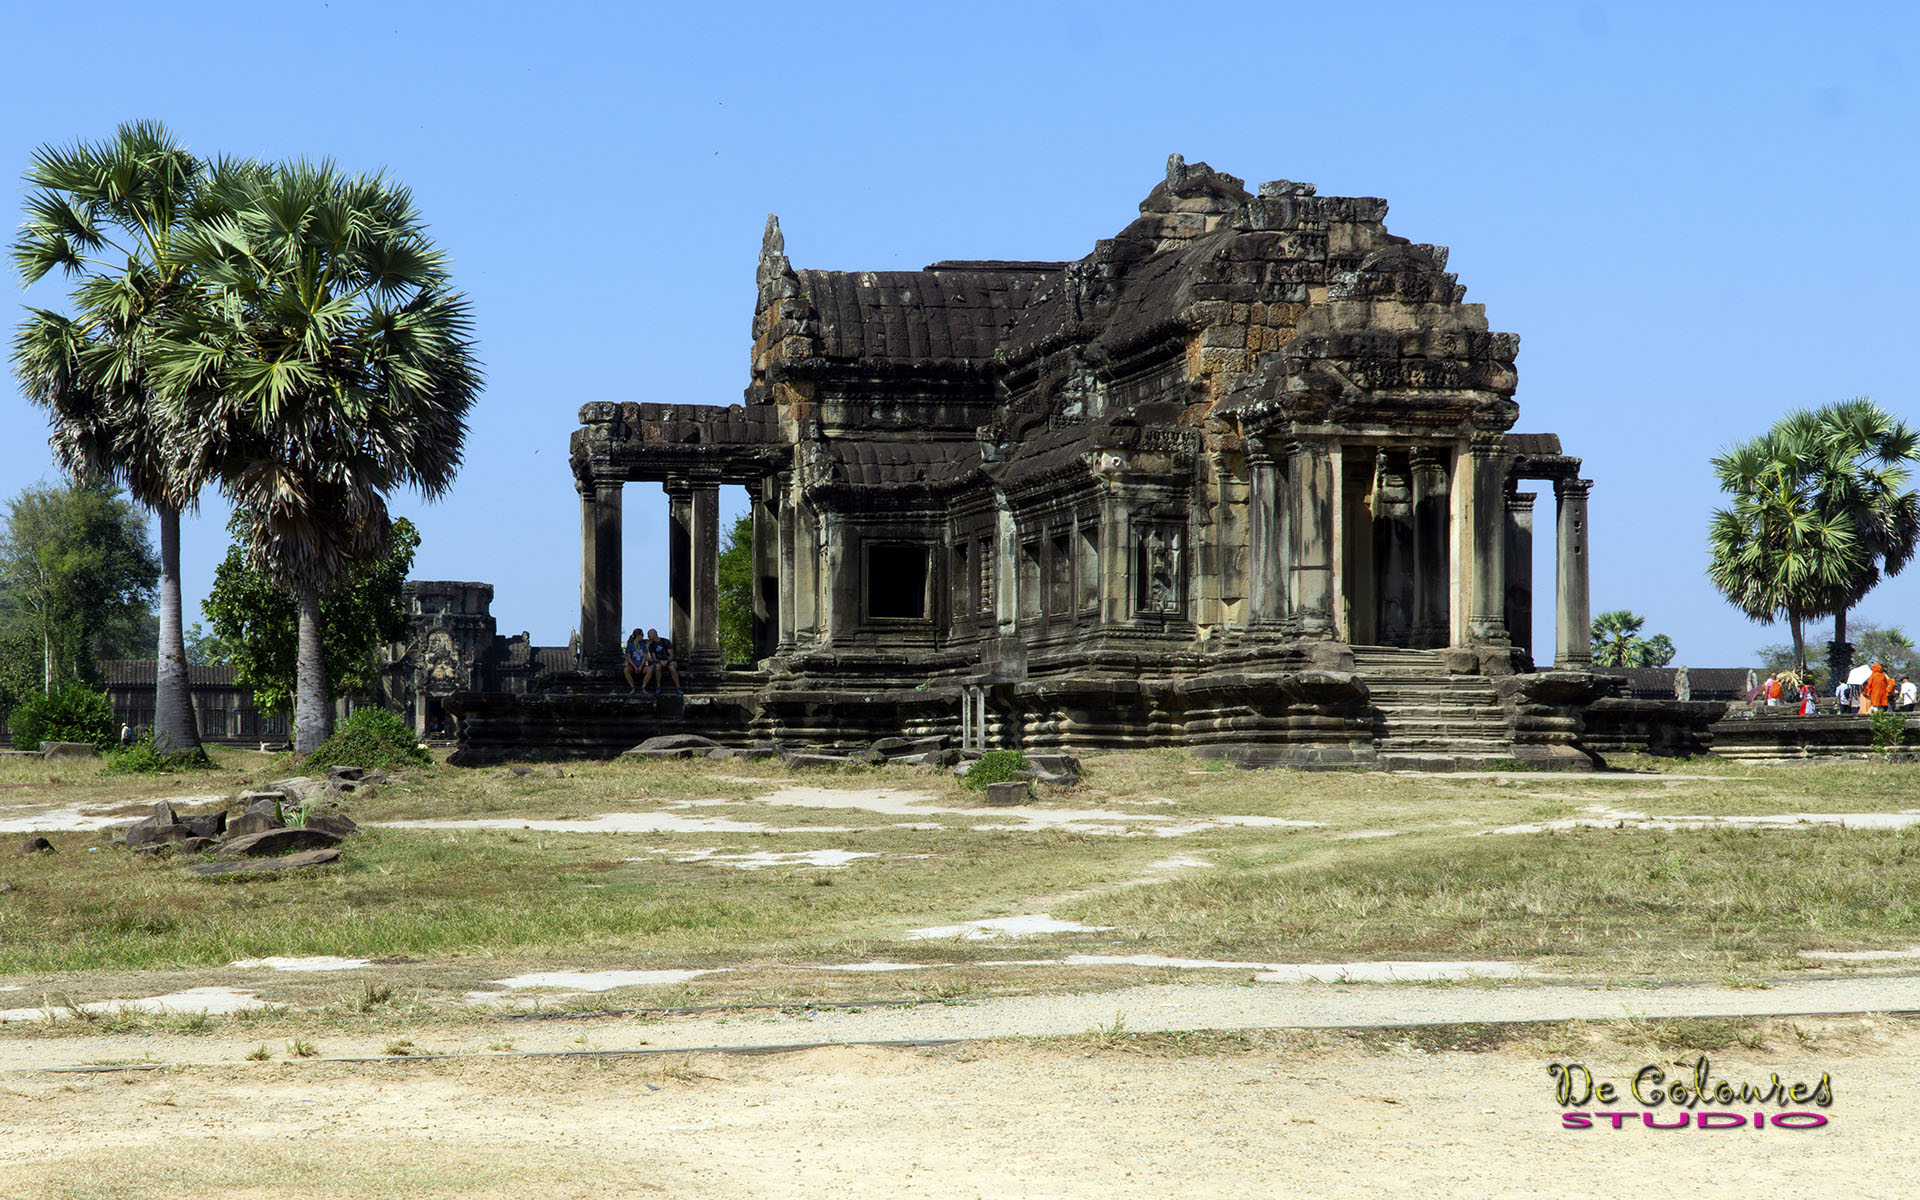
pixel 1244 478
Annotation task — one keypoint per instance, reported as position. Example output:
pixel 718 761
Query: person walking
pixel 1873 693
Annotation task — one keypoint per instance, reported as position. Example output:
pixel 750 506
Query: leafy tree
pixel 1859 473
pixel 257 622
pixel 1887 645
pixel 1775 554
pixel 206 649
pixel 736 593
pixel 1617 642
pixel 76 573
pixel 108 216
pixel 71 712
pixel 332 363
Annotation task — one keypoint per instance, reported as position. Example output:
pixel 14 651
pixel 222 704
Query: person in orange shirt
pixel 1873 693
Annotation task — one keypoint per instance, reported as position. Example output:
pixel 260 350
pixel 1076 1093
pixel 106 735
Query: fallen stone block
pixel 722 753
pixel 677 741
pixel 333 823
pixel 554 772
pixel 247 800
pixel 207 825
pixel 37 845
pixel 928 744
pixel 251 822
pixel 795 758
pixel 1013 792
pixel 1054 764
pixel 261 866
pixel 69 750
pixel 351 774
pixel 680 752
pixel 150 832
pixel 756 754
pixel 277 841
pixel 519 772
pixel 303 788
pixel 197 845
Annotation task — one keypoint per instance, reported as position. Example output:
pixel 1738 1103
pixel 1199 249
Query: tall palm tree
pixel 1617 642
pixel 1774 554
pixel 1858 472
pixel 109 216
pixel 331 363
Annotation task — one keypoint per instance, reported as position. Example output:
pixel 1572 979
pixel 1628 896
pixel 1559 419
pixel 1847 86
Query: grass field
pixel 1392 867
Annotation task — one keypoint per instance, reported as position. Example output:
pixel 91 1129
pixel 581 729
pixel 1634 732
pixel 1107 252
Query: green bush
pixel 72 712
pixel 138 758
pixel 371 737
pixel 1889 730
pixel 996 766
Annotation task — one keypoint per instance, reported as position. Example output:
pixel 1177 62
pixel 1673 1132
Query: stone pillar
pixel 1573 624
pixel 1432 572
pixel 1520 569
pixel 806 573
pixel 600 634
pixel 1267 536
pixel 1393 550
pixel 1311 496
pixel 1487 544
pixel 703 648
pixel 788 594
pixel 839 593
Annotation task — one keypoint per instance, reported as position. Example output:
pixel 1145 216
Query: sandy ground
pixel 991 1120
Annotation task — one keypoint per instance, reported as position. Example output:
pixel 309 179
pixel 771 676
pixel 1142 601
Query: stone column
pixel 806 572
pixel 1573 624
pixel 1432 621
pixel 704 648
pixel 600 634
pixel 1487 546
pixel 788 594
pixel 1310 473
pixel 1267 537
pixel 1520 569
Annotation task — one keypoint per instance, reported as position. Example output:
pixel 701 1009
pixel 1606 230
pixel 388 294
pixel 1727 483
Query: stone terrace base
pixel 1788 739
pixel 1309 718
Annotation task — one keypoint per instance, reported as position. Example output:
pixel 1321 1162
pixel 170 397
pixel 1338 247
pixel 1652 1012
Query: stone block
pixel 336 824
pixel 196 845
pixel 36 845
pixel 69 750
pixel 151 832
pixel 252 822
pixel 253 866
pixel 1013 792
pixel 351 774
pixel 677 741
pixel 207 825
pixel 277 841
pixel 801 759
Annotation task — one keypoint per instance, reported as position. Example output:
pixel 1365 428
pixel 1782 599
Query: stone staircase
pixel 1428 720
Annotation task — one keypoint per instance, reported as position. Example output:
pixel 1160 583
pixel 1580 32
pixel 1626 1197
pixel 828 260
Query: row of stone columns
pixel 693 556
pixel 1573 619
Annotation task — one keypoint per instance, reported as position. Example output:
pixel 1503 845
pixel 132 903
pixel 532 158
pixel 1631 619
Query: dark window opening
pixel 896 583
pixel 1060 577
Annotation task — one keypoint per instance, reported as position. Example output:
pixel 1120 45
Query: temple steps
pixel 1426 719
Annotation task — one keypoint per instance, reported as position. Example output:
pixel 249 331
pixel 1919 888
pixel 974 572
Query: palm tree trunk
pixel 175 729
pixel 1840 654
pixel 312 715
pixel 1799 643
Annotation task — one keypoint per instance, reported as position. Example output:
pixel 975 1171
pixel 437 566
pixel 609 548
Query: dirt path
pixel 995 1121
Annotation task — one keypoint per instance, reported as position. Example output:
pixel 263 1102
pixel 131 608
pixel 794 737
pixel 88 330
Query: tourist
pixel 1908 694
pixel 1808 701
pixel 635 656
pixel 1873 693
pixel 659 656
pixel 1771 690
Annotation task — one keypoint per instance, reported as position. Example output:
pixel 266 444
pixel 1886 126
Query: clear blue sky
pixel 1696 216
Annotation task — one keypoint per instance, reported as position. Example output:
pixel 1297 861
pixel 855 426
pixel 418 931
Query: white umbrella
pixel 1859 675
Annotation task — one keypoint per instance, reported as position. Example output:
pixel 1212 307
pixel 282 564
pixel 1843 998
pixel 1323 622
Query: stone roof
pixel 950 314
pixel 142 673
pixel 1703 683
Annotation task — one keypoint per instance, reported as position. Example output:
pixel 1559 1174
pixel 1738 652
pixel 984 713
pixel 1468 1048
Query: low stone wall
pixel 1777 739
pixel 498 727
pixel 1668 728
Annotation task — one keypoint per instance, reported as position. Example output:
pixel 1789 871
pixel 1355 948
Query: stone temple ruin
pixel 1241 479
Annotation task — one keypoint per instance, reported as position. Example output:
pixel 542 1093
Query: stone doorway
pixel 1395 525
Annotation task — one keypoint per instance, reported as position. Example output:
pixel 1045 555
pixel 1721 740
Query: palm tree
pixel 1774 554
pixel 110 216
pixel 331 363
pixel 1859 474
pixel 1617 642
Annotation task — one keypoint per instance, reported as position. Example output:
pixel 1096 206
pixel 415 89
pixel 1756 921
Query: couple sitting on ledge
pixel 650 654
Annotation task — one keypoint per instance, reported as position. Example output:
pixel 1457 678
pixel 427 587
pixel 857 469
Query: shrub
pixel 72 712
pixel 138 758
pixel 371 737
pixel 1889 730
pixel 996 766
